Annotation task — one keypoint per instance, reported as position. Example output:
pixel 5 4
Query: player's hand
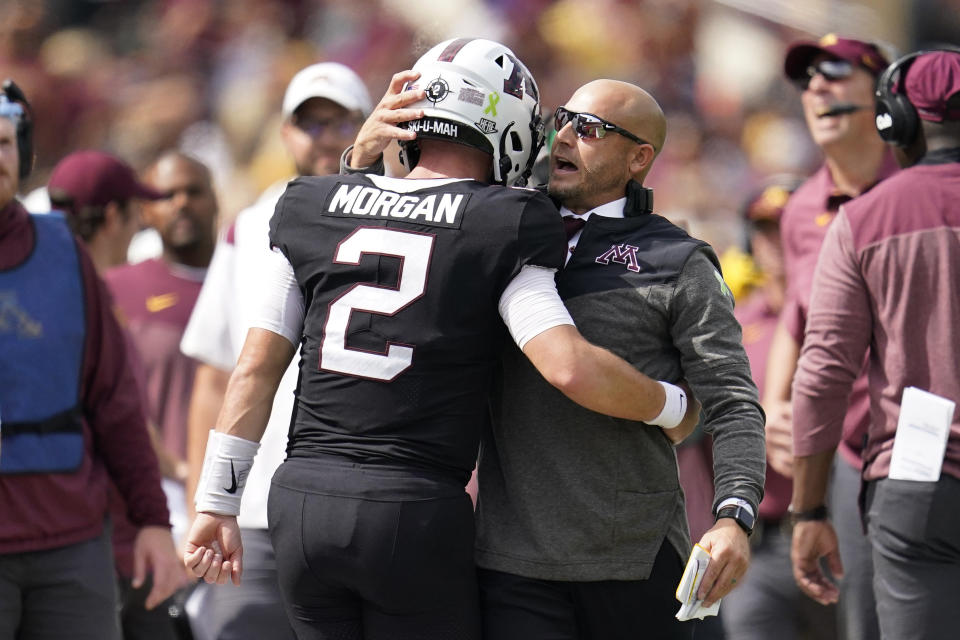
pixel 779 430
pixel 690 419
pixel 213 550
pixel 811 541
pixel 153 552
pixel 381 127
pixel 729 558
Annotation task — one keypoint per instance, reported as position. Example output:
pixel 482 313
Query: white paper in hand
pixel 690 606
pixel 922 432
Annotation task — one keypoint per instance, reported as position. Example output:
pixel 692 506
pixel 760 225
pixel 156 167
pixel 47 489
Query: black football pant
pixel 365 552
pixel 518 608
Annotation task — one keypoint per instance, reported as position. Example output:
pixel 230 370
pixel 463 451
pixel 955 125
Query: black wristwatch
pixel 810 515
pixel 741 514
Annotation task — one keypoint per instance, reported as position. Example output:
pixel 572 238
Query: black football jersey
pixel 401 281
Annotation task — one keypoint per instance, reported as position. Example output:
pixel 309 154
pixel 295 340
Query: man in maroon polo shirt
pixel 836 77
pixel 888 278
pixel 70 421
pixel 156 297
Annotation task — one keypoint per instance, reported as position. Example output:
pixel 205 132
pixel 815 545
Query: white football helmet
pixel 480 95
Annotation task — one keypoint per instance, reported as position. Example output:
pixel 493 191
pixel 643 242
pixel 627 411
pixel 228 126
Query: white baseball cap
pixel 330 80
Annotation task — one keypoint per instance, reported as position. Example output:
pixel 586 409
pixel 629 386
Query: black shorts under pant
pixel 365 552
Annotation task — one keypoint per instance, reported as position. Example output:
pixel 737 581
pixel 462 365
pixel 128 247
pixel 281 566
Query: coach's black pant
pixel 518 608
pixel 367 552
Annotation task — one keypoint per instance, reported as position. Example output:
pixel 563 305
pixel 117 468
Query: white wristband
pixel 226 465
pixel 673 409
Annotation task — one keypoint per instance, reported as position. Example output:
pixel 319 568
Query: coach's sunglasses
pixel 831 70
pixel 587 125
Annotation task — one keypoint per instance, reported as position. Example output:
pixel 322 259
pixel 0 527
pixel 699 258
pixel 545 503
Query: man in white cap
pixel 323 108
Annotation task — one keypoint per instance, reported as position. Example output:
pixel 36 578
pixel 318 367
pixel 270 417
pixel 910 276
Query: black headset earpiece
pixel 13 93
pixel 897 120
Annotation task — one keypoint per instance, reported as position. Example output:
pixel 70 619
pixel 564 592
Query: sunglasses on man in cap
pixel 831 70
pixel 340 128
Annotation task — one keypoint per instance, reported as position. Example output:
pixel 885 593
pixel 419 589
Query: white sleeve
pixel 279 303
pixel 530 304
pixel 207 336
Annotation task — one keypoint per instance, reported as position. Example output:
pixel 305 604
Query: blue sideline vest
pixel 42 331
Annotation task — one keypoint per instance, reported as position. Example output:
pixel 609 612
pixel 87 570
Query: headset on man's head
pixel 14 105
pixel 897 120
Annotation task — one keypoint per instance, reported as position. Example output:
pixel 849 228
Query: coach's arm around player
pixel 591 376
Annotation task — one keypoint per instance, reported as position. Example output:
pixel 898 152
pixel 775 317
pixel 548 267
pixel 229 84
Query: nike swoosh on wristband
pixel 233 481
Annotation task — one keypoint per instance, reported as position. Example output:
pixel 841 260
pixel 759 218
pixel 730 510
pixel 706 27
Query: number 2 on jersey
pixel 414 251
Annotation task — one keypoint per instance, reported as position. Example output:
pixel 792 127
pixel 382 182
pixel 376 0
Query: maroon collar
pixel 835 198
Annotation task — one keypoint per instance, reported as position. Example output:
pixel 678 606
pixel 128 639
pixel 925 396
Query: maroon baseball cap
pixel 94 178
pixel 858 52
pixel 931 81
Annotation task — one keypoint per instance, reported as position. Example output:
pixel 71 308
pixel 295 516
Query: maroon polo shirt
pixel 45 511
pixel 155 300
pixel 806 219
pixel 888 280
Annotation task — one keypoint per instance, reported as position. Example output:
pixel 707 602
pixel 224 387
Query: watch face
pixel 743 517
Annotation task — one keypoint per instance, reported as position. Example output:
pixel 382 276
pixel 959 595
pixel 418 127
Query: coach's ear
pixel 640 159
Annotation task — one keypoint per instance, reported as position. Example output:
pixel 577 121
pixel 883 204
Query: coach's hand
pixel 729 558
pixel 213 550
pixel 381 127
pixel 153 552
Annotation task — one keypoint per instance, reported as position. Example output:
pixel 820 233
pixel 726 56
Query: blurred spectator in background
pixel 322 111
pixel 156 297
pixel 72 423
pixel 769 604
pixel 836 77
pixel 888 279
pixel 102 198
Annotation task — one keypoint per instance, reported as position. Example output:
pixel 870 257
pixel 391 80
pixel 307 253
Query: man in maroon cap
pixel 72 423
pixel 888 278
pixel 836 77
pixel 102 196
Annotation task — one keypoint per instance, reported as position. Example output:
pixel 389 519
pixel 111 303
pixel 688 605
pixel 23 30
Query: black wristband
pixel 346 170
pixel 817 513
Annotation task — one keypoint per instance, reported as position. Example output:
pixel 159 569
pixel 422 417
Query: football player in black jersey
pixel 397 292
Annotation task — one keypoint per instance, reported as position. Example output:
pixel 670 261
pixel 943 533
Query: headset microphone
pixel 842 108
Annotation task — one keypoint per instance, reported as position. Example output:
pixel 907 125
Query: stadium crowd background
pixel 134 77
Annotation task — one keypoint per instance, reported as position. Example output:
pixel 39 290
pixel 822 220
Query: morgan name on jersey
pixel 439 209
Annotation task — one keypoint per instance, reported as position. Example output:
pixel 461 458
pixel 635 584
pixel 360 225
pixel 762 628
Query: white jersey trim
pixel 406 185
